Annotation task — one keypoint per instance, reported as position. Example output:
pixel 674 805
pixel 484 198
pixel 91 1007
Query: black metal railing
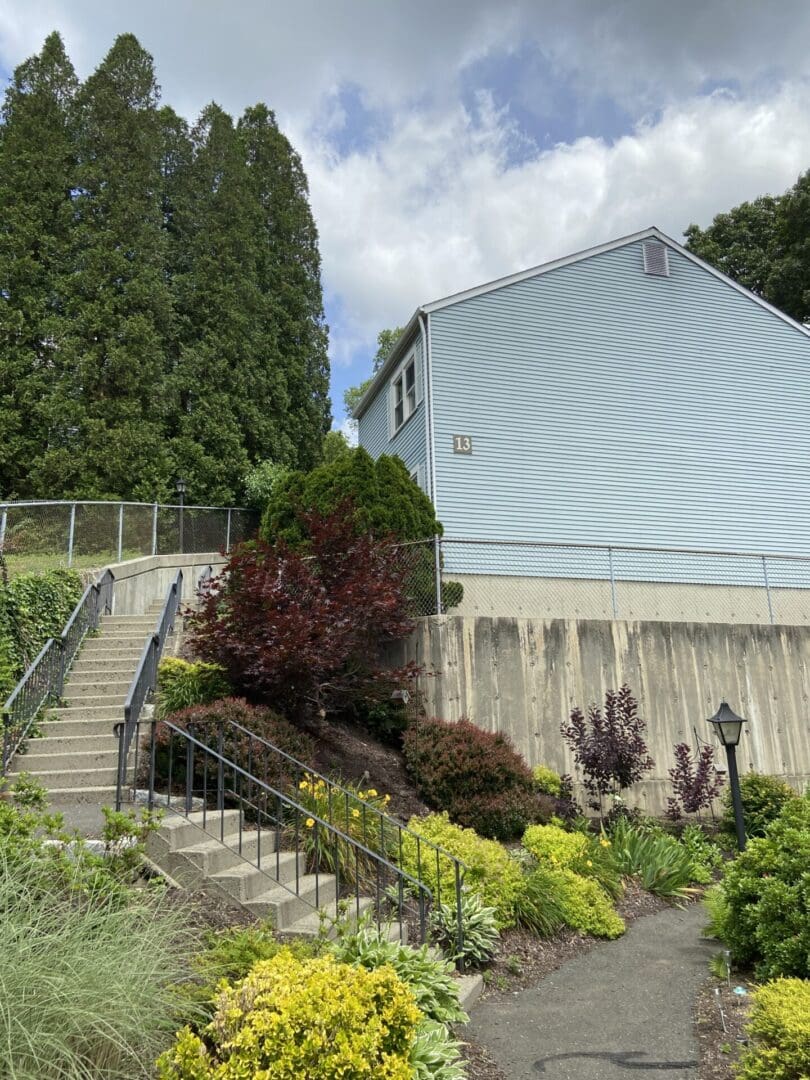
pixel 44 681
pixel 301 851
pixel 144 683
pixel 342 809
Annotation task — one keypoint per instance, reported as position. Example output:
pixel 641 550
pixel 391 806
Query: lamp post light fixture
pixel 180 488
pixel 728 728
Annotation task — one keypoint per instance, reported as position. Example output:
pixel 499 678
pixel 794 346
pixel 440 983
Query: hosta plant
pixel 435 1055
pixel 479 926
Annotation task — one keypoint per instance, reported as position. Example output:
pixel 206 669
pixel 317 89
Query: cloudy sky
pixel 452 141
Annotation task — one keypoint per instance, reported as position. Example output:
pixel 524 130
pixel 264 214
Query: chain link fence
pixel 514 579
pixel 42 535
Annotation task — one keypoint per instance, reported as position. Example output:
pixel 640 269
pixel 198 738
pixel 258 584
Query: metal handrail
pixel 144 681
pixel 291 821
pixel 383 824
pixel 44 679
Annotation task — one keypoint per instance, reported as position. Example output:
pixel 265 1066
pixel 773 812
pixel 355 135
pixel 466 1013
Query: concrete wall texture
pixel 523 676
pixel 140 581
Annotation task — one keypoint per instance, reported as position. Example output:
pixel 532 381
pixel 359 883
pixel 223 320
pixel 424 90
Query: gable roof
pixel 404 340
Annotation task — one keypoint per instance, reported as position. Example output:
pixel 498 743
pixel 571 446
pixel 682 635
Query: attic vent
pixel 656 260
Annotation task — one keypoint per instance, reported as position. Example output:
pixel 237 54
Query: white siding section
pixel 607 405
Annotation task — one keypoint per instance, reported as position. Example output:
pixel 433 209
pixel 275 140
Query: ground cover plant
pixel 304 629
pixel 476 776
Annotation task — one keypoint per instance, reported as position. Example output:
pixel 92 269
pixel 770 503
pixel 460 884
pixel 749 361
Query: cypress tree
pixel 109 393
pixel 289 275
pixel 37 175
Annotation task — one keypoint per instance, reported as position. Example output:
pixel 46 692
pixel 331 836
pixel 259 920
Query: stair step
pixel 245 881
pixel 40 759
pixel 99 795
pixel 84 743
pixel 68 779
pixel 212 856
pixel 282 908
pixel 179 830
pixel 110 622
pixel 91 686
pixel 104 701
pixel 112 713
pixel 80 728
pixel 105 669
pixel 107 649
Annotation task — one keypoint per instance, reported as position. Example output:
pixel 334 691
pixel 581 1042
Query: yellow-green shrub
pixel 492 873
pixel 587 907
pixel 546 780
pixel 575 851
pixel 182 685
pixel 780 1027
pixel 294 1018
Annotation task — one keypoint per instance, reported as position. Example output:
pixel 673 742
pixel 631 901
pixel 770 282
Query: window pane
pixel 399 415
pixel 410 376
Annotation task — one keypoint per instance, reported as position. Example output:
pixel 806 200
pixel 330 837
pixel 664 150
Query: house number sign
pixel 462 444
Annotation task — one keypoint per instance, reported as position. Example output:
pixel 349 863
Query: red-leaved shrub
pixel 476 776
pixel 229 716
pixel 304 628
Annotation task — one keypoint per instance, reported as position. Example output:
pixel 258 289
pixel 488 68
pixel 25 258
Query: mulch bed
pixel 721 1034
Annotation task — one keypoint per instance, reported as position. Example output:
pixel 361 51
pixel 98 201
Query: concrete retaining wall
pixel 523 677
pixel 140 581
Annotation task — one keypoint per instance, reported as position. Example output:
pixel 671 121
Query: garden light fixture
pixel 728 727
pixel 180 488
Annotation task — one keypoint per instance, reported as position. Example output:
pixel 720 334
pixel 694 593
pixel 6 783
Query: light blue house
pixel 629 394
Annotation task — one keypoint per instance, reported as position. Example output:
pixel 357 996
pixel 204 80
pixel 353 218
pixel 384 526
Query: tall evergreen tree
pixel 37 174
pixel 290 281
pixel 106 416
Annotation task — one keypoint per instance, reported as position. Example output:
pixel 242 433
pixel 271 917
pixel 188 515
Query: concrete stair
pixel 245 866
pixel 76 758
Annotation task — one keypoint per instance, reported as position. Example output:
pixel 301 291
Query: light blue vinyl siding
pixel 610 406
pixel 410 442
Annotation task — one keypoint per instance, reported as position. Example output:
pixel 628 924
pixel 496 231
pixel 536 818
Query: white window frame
pixel 399 394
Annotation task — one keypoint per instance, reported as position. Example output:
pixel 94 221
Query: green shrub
pixel 575 851
pixel 763 799
pixel 429 979
pixel 293 1018
pixel 476 776
pixel 546 780
pixel 479 926
pixel 182 684
pixel 33 608
pixel 87 981
pixel 780 1029
pixel 662 865
pixel 706 856
pixel 353 815
pixel 766 891
pixel 491 873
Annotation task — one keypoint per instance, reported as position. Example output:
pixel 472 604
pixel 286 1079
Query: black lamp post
pixel 180 488
pixel 728 727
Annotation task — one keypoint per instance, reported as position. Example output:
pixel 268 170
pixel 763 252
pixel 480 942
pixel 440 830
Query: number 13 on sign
pixel 462 444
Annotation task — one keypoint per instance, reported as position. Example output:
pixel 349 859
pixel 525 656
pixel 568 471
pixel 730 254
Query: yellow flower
pixel 372 794
pixel 355 813
pixel 361 794
pixel 303 785
pixel 387 799
pixel 309 822
pixel 588 862
pixel 604 842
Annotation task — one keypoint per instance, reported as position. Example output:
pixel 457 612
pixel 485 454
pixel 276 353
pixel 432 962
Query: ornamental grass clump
pixel 86 983
pixel 357 813
pixel 290 1018
pixel 661 864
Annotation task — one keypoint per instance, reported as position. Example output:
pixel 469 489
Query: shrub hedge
pixel 182 685
pixel 763 799
pixel 476 776
pixel 780 1029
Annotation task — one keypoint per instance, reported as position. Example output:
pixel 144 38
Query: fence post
pixel 613 584
pixel 3 520
pixel 228 533
pixel 120 531
pixel 438 571
pixel 767 587
pixel 71 533
pixel 154 529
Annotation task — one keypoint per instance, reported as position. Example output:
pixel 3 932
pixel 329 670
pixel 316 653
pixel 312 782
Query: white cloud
pixel 437 207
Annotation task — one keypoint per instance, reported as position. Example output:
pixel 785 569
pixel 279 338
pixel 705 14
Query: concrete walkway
pixel 622 1011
